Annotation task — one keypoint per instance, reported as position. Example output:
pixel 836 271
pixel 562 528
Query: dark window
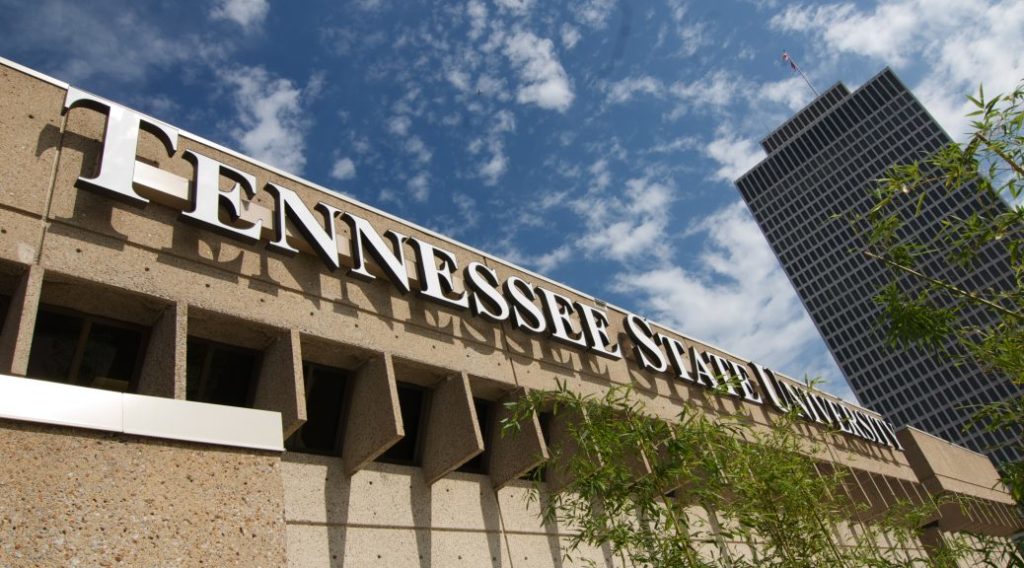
pixel 412 401
pixel 325 406
pixel 5 304
pixel 484 414
pixel 220 374
pixel 85 350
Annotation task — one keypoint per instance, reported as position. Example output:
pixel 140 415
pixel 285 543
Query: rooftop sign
pixel 532 309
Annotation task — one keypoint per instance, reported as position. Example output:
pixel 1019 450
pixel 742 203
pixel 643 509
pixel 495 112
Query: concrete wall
pixel 72 497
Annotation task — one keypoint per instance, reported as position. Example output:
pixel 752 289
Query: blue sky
pixel 593 141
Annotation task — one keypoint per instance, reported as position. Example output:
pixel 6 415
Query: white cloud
pixel 369 5
pixel 543 263
pixel 602 177
pixel 551 260
pixel 488 86
pixel 469 217
pixel 477 13
pixel 270 116
pixel 492 169
pixel 343 169
pixel 680 144
pixel 738 298
pixel 515 6
pixel 83 40
pixel 733 154
pixel 399 125
pixel 419 186
pixel 593 13
pixel 415 146
pixel 459 79
pixel 544 81
pixel 624 90
pixel 960 42
pixel 622 227
pixel 792 92
pixel 715 91
pixel 249 14
pixel 570 35
pixel 692 34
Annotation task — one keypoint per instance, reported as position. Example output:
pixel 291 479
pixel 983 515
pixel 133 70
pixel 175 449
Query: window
pixel 325 408
pixel 80 349
pixel 412 402
pixel 220 374
pixel 484 413
pixel 5 304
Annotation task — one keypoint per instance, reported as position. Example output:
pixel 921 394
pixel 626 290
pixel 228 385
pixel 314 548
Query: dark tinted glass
pixel 53 346
pixel 325 402
pixel 478 464
pixel 5 304
pixel 110 357
pixel 412 402
pixel 79 349
pixel 220 374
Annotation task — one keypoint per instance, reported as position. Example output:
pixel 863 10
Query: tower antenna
pixel 792 64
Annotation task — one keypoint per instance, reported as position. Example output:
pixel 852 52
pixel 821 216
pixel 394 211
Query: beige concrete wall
pixel 73 497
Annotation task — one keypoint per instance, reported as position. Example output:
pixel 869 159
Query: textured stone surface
pixel 280 386
pixel 514 456
pixel 16 342
pixel 30 122
pixel 163 369
pixel 943 466
pixel 96 499
pixel 453 433
pixel 374 421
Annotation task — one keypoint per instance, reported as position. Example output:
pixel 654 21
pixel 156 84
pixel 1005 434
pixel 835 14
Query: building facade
pixel 205 361
pixel 824 162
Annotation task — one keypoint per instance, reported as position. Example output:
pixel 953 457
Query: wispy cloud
pixel 543 80
pixel 624 90
pixel 593 13
pixel 343 169
pixel 271 121
pixel 716 91
pixel 961 42
pixel 89 40
pixel 419 186
pixel 734 155
pixel 249 14
pixel 626 226
pixel 738 297
pixel 493 168
pixel 691 32
pixel 570 35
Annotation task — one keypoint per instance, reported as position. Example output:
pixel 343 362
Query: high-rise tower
pixel 824 161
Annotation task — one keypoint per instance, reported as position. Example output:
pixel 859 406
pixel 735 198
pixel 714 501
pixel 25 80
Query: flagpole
pixel 792 63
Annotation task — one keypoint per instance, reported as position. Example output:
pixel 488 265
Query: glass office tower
pixel 824 161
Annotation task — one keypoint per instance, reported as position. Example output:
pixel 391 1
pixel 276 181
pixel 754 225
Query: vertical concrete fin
pixel 163 368
pixel 514 455
pixel 281 387
pixel 16 340
pixel 558 474
pixel 453 434
pixel 374 418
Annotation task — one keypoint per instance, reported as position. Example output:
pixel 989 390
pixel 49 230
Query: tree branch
pixel 944 285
